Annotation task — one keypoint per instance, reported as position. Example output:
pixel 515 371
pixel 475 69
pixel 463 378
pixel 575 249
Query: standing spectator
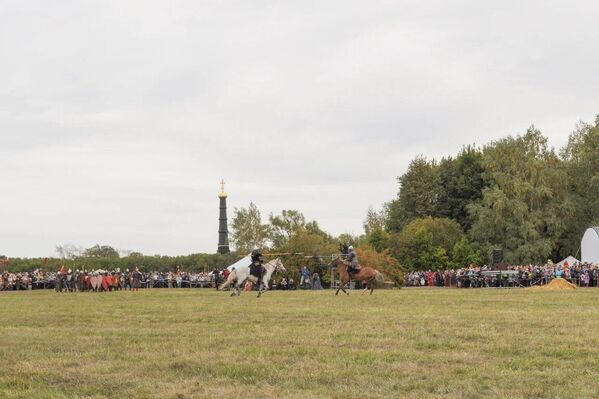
pixel 115 281
pixel 26 281
pixel 215 275
pixel 305 277
pixel 136 279
pixel 430 277
pixel 587 277
pixel 127 280
pixel 106 282
pixel 316 285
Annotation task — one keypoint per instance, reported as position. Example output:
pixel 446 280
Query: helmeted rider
pixel 343 248
pixel 352 260
pixel 257 262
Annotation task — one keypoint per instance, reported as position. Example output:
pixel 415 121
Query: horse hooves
pixel 347 293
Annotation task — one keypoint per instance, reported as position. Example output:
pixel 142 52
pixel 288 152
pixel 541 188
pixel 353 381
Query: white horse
pixel 242 274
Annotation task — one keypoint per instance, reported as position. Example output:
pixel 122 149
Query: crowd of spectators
pixel 580 274
pixel 101 280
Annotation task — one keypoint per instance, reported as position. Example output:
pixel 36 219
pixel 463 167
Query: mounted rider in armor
pixel 352 260
pixel 256 267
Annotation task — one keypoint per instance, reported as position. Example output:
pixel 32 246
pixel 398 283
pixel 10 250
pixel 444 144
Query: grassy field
pixel 411 343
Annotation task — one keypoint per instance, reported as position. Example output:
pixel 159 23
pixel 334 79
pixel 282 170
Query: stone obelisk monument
pixel 223 232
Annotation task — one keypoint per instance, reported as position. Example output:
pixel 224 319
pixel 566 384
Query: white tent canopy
pixel 245 261
pixel 589 247
pixel 570 260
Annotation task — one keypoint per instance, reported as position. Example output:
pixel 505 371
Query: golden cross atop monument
pixel 222 193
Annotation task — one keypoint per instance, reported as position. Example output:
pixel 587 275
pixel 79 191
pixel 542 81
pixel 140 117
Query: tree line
pixel 109 259
pixel 516 194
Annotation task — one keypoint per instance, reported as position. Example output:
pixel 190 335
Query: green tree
pixel 526 203
pixel 426 243
pixel 581 156
pixel 314 228
pixel 445 232
pixel 309 246
pixel 419 189
pixel 350 239
pixel 283 226
pixel 379 240
pixel 374 220
pixel 462 184
pixel 374 228
pixel 247 230
pixel 311 243
pixel 465 253
pixel 383 262
pixel 101 251
pixel 416 252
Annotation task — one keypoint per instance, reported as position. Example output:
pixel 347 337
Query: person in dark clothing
pixel 352 260
pixel 216 275
pixel 257 262
pixel 135 280
pixel 344 249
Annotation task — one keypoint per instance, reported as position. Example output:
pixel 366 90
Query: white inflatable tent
pixel 589 247
pixel 245 261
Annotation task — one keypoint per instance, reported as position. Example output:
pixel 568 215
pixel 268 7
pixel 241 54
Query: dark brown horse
pixel 366 274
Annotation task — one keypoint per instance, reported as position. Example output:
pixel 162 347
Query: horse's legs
pixel 240 285
pixel 263 287
pixel 223 285
pixel 235 288
pixel 369 286
pixel 237 291
pixel 342 284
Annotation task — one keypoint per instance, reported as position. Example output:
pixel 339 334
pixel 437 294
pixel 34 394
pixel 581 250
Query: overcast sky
pixel 119 118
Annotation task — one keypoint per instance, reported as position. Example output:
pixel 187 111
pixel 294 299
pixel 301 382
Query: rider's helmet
pixel 351 247
pixel 256 255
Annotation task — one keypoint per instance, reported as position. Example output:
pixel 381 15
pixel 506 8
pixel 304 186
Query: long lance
pixel 284 254
pixel 301 253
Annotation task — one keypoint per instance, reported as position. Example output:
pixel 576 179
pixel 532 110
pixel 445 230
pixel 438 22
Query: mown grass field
pixel 410 343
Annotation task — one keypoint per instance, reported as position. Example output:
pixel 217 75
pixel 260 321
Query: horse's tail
pixel 230 279
pixel 379 279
